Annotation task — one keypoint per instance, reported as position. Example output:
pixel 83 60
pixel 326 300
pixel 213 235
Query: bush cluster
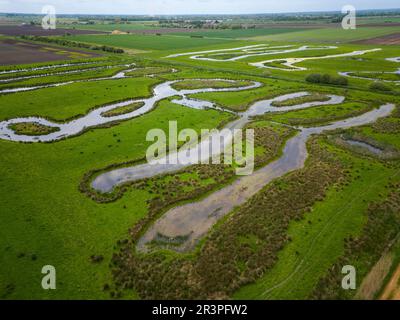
pixel 380 86
pixel 327 79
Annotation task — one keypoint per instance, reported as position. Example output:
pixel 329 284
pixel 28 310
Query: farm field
pixel 16 52
pixel 78 193
pixel 148 42
pixel 330 35
pixel 235 34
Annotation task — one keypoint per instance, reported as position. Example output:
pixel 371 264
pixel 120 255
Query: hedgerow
pixel 74 44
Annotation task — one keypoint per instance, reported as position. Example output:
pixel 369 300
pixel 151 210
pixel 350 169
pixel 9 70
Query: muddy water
pixel 95 117
pixel 194 220
pixel 364 145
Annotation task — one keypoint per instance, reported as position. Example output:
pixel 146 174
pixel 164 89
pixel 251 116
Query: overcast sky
pixel 151 7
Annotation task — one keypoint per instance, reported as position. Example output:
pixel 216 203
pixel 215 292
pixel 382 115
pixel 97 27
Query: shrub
pixel 379 86
pixel 327 79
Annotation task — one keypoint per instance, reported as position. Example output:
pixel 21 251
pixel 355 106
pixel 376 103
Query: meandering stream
pixel 118 75
pixel 289 63
pixel 109 180
pixel 247 52
pixel 96 117
pixel 55 66
pixel 351 74
pixel 192 221
pixel 15 79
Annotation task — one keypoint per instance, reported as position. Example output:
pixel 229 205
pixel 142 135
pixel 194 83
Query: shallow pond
pixel 364 145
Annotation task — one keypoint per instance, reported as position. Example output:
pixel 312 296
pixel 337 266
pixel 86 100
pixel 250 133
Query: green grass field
pixel 48 217
pixel 61 103
pixel 148 42
pixel 331 35
pixel 242 33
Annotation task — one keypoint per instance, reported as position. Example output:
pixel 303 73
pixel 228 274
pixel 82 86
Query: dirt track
pixel 392 290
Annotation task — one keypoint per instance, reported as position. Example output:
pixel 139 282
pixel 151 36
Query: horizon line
pixel 199 14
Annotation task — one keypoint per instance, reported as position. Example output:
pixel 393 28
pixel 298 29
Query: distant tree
pixel 327 79
pixel 379 86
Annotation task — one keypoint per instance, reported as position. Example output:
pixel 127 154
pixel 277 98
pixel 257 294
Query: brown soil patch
pixel 20 52
pixel 373 281
pixel 392 289
pixel 391 39
pixel 118 32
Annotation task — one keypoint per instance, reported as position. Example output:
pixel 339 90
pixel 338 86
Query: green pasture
pixel 240 33
pixel 147 42
pixel 331 35
pixel 60 103
pixel 45 216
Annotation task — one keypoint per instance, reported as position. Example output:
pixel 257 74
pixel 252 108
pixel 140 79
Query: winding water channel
pixel 247 52
pixel 289 63
pixel 96 117
pixel 118 75
pixel 351 74
pixel 198 153
pixel 10 80
pixel 55 66
pixel 192 221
